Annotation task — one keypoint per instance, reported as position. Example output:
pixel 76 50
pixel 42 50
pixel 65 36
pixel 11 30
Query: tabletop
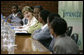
pixel 27 45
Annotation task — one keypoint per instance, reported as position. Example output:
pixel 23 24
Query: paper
pixel 20 31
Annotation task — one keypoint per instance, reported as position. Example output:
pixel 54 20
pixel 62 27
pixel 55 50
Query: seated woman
pixel 15 17
pixel 63 44
pixel 36 12
pixel 31 26
pixel 25 20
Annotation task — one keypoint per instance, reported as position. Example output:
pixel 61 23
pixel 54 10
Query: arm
pixel 35 27
pixel 34 21
pixel 42 35
pixel 9 17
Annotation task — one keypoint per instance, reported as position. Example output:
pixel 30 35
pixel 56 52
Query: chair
pixel 69 30
pixel 74 36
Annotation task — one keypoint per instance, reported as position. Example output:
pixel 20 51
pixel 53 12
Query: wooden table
pixel 24 46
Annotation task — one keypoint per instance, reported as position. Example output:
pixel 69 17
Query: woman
pixel 32 21
pixel 36 12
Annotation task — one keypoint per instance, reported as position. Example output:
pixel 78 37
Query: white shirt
pixel 25 27
pixel 44 26
pixel 31 23
pixel 14 15
pixel 51 35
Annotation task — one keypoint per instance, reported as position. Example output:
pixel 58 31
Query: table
pixel 24 46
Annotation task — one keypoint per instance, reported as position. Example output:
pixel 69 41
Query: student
pixel 63 44
pixel 51 17
pixel 25 20
pixel 15 17
pixel 49 20
pixel 43 34
pixel 36 12
pixel 28 14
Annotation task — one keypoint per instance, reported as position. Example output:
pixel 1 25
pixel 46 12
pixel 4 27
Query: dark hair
pixel 52 16
pixel 59 25
pixel 15 6
pixel 32 7
pixel 40 7
pixel 44 14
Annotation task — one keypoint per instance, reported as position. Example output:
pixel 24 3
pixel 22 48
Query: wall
pixel 72 12
pixel 49 5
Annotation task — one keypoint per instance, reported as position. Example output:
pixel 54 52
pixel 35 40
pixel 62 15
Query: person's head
pixel 27 12
pixel 37 10
pixel 51 17
pixel 43 16
pixel 32 8
pixel 58 26
pixel 14 8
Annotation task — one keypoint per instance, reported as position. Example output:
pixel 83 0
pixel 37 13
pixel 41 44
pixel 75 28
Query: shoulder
pixel 46 29
pixel 63 40
pixel 34 19
pixel 10 15
pixel 66 43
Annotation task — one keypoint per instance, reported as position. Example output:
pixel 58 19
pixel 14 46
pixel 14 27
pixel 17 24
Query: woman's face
pixel 28 15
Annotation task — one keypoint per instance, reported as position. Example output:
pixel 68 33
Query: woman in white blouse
pixel 32 21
